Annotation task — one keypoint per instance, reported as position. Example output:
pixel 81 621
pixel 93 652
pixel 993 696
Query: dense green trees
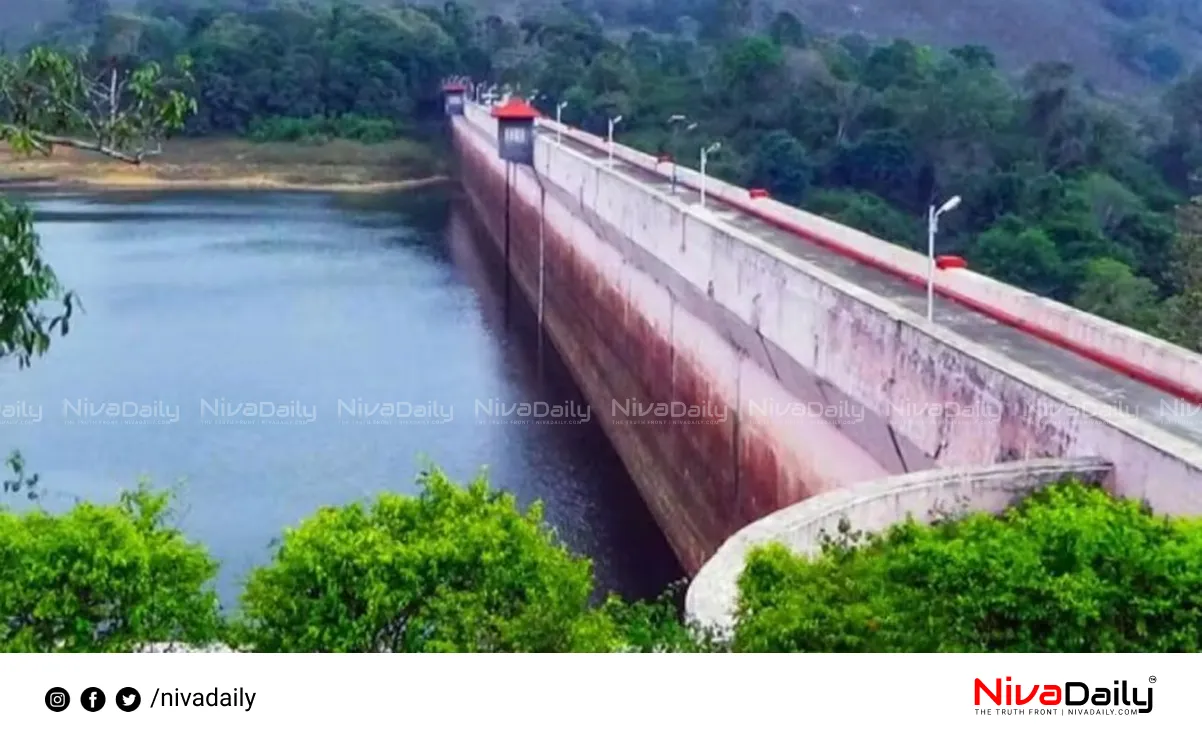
pixel 1070 569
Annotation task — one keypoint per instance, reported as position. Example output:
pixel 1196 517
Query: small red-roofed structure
pixel 454 94
pixel 950 261
pixel 515 131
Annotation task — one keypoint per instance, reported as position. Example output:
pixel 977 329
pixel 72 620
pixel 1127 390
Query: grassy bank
pixel 337 165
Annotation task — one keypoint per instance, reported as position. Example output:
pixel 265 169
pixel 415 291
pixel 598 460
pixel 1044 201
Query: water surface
pixel 273 353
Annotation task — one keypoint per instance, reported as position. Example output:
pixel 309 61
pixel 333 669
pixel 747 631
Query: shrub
pixel 103 578
pixel 1070 569
pixel 455 569
pixel 320 129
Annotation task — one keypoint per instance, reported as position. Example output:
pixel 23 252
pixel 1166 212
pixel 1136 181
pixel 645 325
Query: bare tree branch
pixel 48 100
pixel 49 141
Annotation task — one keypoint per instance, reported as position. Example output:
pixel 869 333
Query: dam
pixel 748 359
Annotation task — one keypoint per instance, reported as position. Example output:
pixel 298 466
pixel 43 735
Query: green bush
pixel 455 569
pixel 320 129
pixel 103 578
pixel 1070 569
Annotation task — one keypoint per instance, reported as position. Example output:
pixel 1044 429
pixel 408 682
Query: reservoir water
pixel 269 354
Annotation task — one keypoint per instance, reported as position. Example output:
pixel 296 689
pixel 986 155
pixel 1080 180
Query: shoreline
pixel 225 164
pixel 150 183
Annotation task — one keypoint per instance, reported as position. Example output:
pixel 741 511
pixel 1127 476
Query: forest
pixel 1065 193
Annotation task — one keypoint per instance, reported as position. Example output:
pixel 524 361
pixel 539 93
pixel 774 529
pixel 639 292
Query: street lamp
pixel 674 121
pixel 615 120
pixel 705 153
pixel 559 107
pixel 932 227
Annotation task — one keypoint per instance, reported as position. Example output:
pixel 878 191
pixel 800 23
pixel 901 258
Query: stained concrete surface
pixel 1111 388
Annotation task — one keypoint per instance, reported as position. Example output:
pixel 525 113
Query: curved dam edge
pixel 872 507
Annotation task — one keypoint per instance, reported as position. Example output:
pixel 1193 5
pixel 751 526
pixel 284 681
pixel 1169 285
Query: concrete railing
pixel 1167 367
pixel 872 507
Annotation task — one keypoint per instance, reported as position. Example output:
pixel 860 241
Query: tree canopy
pixel 1069 569
pixel 456 569
pixel 103 578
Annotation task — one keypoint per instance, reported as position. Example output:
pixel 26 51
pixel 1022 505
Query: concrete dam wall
pixel 775 379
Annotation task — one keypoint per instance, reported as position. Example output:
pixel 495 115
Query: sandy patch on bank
pixel 235 165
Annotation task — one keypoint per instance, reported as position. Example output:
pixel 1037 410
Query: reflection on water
pixel 274 353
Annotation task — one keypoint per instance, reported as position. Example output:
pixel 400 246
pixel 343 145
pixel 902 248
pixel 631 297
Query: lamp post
pixel 705 153
pixel 674 122
pixel 612 122
pixel 559 107
pixel 932 227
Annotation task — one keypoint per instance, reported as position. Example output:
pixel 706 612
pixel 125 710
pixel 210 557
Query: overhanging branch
pixel 135 158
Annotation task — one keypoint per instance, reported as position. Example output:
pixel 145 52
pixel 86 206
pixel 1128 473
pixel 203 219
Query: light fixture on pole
pixel 612 122
pixel 559 121
pixel 705 153
pixel 932 227
pixel 674 122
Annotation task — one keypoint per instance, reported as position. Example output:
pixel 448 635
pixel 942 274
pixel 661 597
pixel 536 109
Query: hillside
pixel 1122 45
pixel 1125 46
pixel 20 20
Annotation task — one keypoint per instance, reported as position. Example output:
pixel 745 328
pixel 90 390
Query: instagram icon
pixel 57 699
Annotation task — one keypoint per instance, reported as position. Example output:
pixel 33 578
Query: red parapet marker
pixel 950 261
pixel 663 158
pixel 758 193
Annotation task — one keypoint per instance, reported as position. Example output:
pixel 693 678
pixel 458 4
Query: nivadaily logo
pixel 1071 697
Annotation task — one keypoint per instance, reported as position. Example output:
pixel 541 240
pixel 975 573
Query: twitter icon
pixel 128 699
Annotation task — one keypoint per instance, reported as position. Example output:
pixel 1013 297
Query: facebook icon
pixel 92 699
